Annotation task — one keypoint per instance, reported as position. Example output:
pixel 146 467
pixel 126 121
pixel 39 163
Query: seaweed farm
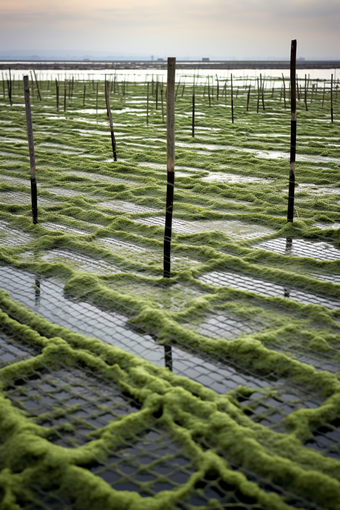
pixel 217 388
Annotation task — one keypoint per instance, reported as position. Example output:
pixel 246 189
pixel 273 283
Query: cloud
pixel 216 27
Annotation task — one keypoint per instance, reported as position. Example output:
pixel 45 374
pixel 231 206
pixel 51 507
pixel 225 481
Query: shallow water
pixel 233 228
pixel 232 178
pixel 55 227
pixel 128 207
pixel 47 298
pixel 266 288
pixel 300 248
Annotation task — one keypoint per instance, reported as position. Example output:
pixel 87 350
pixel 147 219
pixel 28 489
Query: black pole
pixel 31 151
pixel 113 139
pixel 291 192
pixel 170 163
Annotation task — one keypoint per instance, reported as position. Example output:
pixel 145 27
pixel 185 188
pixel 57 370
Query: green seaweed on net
pixel 213 430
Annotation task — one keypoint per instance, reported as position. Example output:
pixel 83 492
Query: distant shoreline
pixel 67 65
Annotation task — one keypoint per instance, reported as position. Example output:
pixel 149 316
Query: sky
pixel 219 29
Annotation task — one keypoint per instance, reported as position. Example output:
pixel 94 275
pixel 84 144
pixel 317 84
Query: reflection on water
pixel 139 75
pixel 37 291
pixel 168 356
pixel 289 245
pixel 48 298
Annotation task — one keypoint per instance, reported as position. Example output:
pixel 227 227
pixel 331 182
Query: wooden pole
pixel 332 98
pixel 170 120
pixel 157 94
pixel 57 93
pixel 284 90
pixel 162 103
pixel 84 95
pixel 31 151
pixel 9 86
pixel 113 140
pixel 64 96
pixel 178 84
pixel 258 96
pixel 323 95
pixel 37 83
pixel 209 92
pixel 232 99
pixel 193 112
pixel 97 98
pixel 290 214
pixel 248 97
pixel 306 92
pixel 147 104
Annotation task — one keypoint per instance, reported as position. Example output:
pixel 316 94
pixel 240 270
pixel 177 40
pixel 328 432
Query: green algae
pixel 194 415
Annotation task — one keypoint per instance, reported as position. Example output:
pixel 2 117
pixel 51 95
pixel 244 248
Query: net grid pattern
pixel 152 387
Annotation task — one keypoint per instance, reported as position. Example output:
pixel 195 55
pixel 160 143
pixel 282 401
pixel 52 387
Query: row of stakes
pixel 170 106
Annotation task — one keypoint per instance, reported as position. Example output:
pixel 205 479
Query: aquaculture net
pixel 215 388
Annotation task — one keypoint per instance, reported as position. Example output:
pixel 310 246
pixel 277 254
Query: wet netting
pixel 215 388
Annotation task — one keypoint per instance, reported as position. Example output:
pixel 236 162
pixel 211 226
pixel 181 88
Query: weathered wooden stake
pixel 37 83
pixel 64 96
pixel 57 93
pixel 248 97
pixel 232 98
pixel 147 104
pixel 170 120
pixel 209 92
pixel 306 87
pixel 9 85
pixel 162 102
pixel 323 95
pixel 258 96
pixel 291 191
pixel 262 93
pixel 113 140
pixel 284 90
pixel 34 199
pixel 156 98
pixel 332 98
pixel 193 112
pixel 97 98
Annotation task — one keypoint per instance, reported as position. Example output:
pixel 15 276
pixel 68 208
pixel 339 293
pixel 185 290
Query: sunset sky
pixel 182 28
